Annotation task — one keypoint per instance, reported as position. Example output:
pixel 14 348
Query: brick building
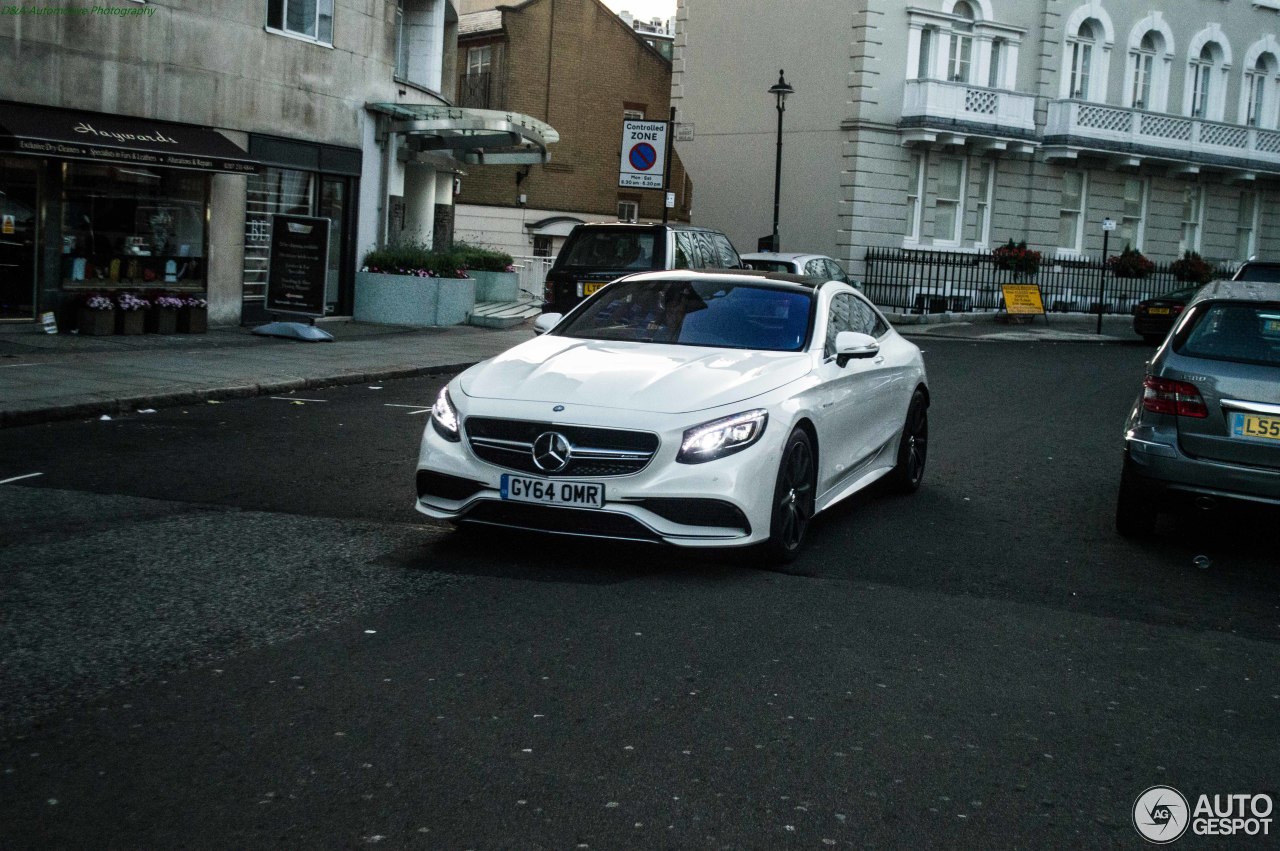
pixel 578 67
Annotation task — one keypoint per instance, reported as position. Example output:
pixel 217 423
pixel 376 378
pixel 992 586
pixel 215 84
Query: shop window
pixel 132 226
pixel 309 19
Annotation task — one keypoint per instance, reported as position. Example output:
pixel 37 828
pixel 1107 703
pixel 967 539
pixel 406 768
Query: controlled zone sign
pixel 1022 299
pixel 644 154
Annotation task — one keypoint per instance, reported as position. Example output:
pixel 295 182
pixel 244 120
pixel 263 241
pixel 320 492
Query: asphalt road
pixel 225 626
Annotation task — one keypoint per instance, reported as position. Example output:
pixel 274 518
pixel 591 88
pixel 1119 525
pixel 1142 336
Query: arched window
pixel 1142 64
pixel 1258 110
pixel 960 58
pixel 1080 51
pixel 1202 79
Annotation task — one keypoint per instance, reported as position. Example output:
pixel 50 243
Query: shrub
pixel 1130 263
pixel 414 258
pixel 483 259
pixel 1017 258
pixel 1192 268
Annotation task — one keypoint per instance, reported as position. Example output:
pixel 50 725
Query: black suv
pixel 597 253
pixel 1258 270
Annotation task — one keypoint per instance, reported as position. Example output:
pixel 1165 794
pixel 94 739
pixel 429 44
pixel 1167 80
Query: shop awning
pixel 76 134
pixel 478 136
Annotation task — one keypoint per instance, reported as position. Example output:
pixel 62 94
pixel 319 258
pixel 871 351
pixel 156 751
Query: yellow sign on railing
pixel 1022 298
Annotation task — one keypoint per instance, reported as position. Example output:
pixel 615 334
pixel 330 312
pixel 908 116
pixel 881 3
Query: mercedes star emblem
pixel 551 452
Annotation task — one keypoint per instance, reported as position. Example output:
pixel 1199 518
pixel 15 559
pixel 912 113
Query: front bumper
pixel 722 503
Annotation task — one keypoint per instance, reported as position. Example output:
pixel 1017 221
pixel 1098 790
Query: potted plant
pixel 96 316
pixel 193 316
pixel 163 316
pixel 131 313
pixel 1017 258
pixel 494 272
pixel 1192 269
pixel 410 284
pixel 1130 263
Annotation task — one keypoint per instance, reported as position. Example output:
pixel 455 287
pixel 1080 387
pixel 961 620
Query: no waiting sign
pixel 644 154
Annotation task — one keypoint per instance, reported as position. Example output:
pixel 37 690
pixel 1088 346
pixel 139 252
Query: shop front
pixel 103 203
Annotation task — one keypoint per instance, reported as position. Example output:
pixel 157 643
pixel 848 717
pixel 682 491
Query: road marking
pixel 15 365
pixel 20 478
pixel 418 409
pixel 295 399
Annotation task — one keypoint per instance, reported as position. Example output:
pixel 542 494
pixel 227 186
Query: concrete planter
pixel 410 300
pixel 496 286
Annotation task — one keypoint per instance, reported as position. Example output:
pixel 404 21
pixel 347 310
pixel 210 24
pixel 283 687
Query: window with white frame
pixel 479 60
pixel 633 115
pixel 982 203
pixel 1192 219
pixel 1259 110
pixel 309 19
pixel 1080 50
pixel 915 194
pixel 628 211
pixel 1204 69
pixel 1133 216
pixel 1142 65
pixel 949 201
pixel 924 66
pixel 1246 225
pixel 960 57
pixel 995 67
pixel 1071 212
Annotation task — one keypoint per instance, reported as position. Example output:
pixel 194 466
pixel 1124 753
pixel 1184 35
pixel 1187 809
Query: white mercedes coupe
pixel 701 409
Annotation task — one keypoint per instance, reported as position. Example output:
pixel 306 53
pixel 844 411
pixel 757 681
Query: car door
pixel 890 374
pixel 845 419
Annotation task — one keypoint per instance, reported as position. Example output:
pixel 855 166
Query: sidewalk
pixel 47 377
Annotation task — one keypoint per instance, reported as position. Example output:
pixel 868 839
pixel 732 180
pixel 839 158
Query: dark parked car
pixel 597 253
pixel 1258 270
pixel 1205 428
pixel 1153 317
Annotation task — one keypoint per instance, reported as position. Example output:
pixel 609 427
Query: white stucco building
pixel 961 124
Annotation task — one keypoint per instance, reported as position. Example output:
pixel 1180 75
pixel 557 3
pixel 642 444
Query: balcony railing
pixel 481 90
pixel 968 104
pixel 1154 133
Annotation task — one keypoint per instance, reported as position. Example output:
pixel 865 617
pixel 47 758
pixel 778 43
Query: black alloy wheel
pixel 913 447
pixel 793 499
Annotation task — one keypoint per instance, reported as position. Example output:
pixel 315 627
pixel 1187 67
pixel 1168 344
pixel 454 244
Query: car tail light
pixel 1166 396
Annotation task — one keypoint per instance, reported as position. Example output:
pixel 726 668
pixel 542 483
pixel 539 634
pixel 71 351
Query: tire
pixel 793 500
pixel 1136 509
pixel 913 447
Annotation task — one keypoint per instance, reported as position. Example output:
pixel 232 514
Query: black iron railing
pixel 924 281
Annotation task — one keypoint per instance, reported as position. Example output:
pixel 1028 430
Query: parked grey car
pixel 1206 426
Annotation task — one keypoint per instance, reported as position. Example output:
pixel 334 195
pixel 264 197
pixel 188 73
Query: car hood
pixel 639 376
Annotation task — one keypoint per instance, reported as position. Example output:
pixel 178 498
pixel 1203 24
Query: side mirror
pixel 855 345
pixel 546 322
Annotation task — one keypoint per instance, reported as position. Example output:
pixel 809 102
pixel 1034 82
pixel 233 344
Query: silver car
pixel 1206 427
pixel 817 267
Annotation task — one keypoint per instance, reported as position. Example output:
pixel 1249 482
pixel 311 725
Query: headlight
pixel 722 437
pixel 444 417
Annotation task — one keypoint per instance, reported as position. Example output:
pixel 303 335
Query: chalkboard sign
pixel 299 265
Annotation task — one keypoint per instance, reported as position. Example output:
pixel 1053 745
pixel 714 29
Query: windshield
pixel 599 248
pixel 1249 333
pixel 696 313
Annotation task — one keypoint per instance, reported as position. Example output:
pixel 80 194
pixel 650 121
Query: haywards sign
pixel 45 131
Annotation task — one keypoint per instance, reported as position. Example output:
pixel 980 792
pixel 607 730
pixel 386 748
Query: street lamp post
pixel 780 89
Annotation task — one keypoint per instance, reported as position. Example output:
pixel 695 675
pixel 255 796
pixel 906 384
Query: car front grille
pixel 594 452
